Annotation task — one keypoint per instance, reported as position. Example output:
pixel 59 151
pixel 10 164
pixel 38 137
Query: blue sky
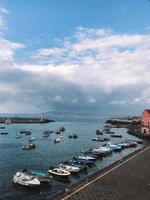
pixel 83 55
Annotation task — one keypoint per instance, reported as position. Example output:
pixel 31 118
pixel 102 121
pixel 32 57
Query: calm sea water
pixel 13 158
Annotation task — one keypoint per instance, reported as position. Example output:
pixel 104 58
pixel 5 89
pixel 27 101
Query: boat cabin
pixel 145 120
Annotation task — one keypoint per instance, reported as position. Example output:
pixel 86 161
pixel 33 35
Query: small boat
pixel 62 129
pixel 70 136
pixel 75 136
pixel 98 139
pixel 57 132
pixel 124 145
pixel 26 132
pixel 59 172
pixel 102 150
pixel 69 168
pixel 42 177
pixel 29 146
pixel 85 157
pixel 46 134
pixel 98 132
pixel 57 140
pixel 113 147
pixel 109 132
pixel 31 139
pixel 4 133
pixel 25 180
pixel 17 136
pixel 83 161
pixel 116 136
pixel 75 164
pixel 2 127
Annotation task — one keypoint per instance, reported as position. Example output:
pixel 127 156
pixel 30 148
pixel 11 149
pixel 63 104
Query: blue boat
pixel 42 177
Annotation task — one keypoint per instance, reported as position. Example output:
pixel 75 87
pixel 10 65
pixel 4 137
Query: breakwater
pixel 24 120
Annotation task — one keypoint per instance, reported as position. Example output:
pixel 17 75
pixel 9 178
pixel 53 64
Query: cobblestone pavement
pixel 129 181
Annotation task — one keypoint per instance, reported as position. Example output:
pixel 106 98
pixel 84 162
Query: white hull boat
pixel 104 150
pixel 87 158
pixel 69 168
pixel 25 180
pixel 59 172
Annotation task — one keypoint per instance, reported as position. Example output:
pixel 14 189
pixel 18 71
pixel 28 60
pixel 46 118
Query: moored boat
pixel 29 146
pixel 25 180
pixel 57 140
pixel 59 172
pixel 31 139
pixel 42 177
pixel 69 168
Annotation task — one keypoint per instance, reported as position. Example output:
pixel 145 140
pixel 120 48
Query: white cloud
pixel 57 98
pixel 3 10
pixel 116 102
pixel 75 100
pixel 95 63
pixel 92 100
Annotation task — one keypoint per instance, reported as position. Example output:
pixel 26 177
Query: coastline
pixel 93 177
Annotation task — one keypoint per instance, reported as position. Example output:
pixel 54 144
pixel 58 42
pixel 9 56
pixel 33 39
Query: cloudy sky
pixel 84 56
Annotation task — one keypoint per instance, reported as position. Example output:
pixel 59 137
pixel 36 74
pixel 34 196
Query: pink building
pixel 145 120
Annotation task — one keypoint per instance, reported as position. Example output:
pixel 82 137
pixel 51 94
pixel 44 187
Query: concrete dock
pixel 127 180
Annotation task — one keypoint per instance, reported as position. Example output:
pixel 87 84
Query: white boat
pixel 59 172
pixel 114 147
pixel 69 168
pixel 26 180
pixel 87 158
pixel 57 140
pixel 29 146
pixel 104 150
pixel 31 139
pixel 17 136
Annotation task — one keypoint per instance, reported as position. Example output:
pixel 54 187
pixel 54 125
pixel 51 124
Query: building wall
pixel 145 129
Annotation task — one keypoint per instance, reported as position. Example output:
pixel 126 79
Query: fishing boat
pixel 25 180
pixel 29 146
pixel 69 168
pixel 57 140
pixel 59 172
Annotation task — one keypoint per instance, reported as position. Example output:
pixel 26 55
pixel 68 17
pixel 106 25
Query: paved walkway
pixel 129 180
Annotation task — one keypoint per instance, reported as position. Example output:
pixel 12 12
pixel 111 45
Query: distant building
pixel 145 122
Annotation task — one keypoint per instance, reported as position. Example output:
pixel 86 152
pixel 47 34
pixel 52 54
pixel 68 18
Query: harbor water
pixel 47 153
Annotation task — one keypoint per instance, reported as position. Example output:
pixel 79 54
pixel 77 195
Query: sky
pixel 76 56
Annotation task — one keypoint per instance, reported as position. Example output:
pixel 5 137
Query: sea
pixel 48 153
